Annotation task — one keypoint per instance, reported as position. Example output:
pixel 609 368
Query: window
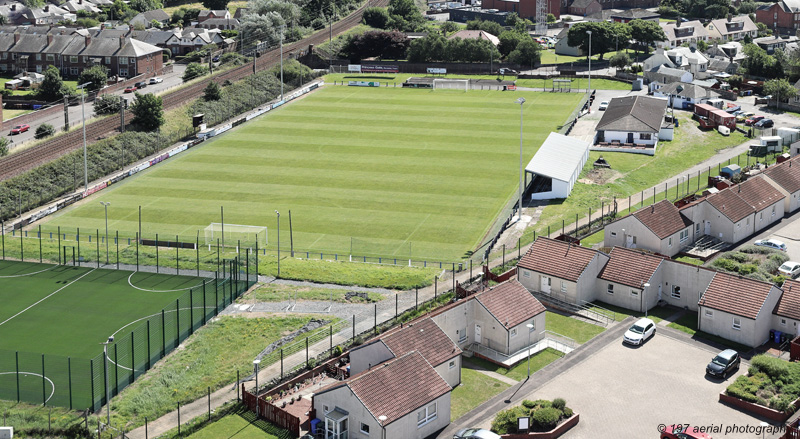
pixel 676 292
pixel 325 409
pixel 610 289
pixel 783 322
pixel 709 313
pixel 684 235
pixel 563 287
pixel 49 57
pixel 634 240
pixel 5 55
pixel 426 414
pixel 108 60
pixel 132 61
pixel 123 73
pixel 737 323
pixel 38 57
pixel 613 233
pixel 634 293
pixel 513 332
pixel 773 210
pixel 645 136
pixel 533 326
pixel 73 71
pixel 452 364
pixel 748 221
pixel 365 428
pixel 123 60
pixel 739 225
pixel 462 335
pixel 526 273
pixel 38 68
pixel 760 216
pixel 73 59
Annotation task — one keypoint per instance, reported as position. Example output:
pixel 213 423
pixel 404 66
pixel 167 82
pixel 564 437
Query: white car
pixel 639 332
pixel 771 243
pixel 156 80
pixel 475 433
pixel 790 269
pixel 603 105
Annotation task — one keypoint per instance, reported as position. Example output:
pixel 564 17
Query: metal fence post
pixel 44 378
pixel 149 352
pixel 17 374
pixel 69 377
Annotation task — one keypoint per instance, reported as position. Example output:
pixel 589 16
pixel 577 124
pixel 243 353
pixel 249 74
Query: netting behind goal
pixel 451 84
pixel 230 235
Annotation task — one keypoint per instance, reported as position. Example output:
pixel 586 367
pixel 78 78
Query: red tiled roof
pixel 425 337
pixel 557 258
pixel 735 295
pixel 663 219
pixel 786 175
pixel 730 204
pixel 510 303
pixel 398 387
pixel 758 193
pixel 789 303
pixel 630 267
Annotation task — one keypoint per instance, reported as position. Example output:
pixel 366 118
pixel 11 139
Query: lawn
pixel 595 238
pixel 549 57
pixel 280 293
pixel 376 172
pixel 10 114
pixel 475 389
pixel 241 423
pixel 232 7
pixel 575 329
pixel 520 371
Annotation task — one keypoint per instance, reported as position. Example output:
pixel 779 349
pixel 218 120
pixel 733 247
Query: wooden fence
pixel 271 413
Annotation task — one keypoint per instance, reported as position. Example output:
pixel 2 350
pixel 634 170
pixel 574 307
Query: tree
pixel 33 4
pixel 107 104
pixel 148 111
pixel 780 89
pixel 294 72
pixel 449 27
pixel 194 70
pixel 646 32
pixel 763 30
pixel 216 5
pixel 4 142
pixel 702 45
pixel 747 7
pixel 44 130
pixel 405 15
pixel 376 17
pixel 392 45
pixel 604 37
pixel 620 60
pixel 212 92
pixel 96 76
pixel 512 19
pixel 486 26
pixel 759 63
pixel 527 53
pixel 145 5
pixel 52 87
pixel 551 18
pixel 509 41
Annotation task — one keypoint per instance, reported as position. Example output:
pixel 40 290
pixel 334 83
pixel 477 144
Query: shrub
pixel 757 250
pixel 232 58
pixel 774 368
pixel 567 412
pixel 194 70
pixel 546 418
pixel 44 130
pixel 559 403
pixel 737 256
pixel 759 276
pixel 4 142
pixel 727 265
pixel 746 269
pixel 528 404
pixel 107 104
pixel 505 421
pixel 778 257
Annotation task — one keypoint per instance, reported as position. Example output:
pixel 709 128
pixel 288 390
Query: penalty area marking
pixel 52 385
pixel 164 291
pixel 42 299
pixel 29 274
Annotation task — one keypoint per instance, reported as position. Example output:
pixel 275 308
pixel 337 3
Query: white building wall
pixel 450 371
pixel 455 323
pixel 682 284
pixel 520 341
pixel 764 319
pixel 622 137
pixel 367 356
pixel 786 324
pixel 768 216
pixel 406 427
pixel 720 323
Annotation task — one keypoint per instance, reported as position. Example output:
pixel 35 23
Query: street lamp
pixel 383 419
pixel 589 88
pixel 108 389
pixel 83 121
pixel 530 329
pixel 105 206
pixel 644 288
pixel 256 362
pixel 521 102
pixel 279 243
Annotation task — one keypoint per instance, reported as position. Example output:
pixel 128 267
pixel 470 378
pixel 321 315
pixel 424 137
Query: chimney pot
pixel 46 8
pixel 16 37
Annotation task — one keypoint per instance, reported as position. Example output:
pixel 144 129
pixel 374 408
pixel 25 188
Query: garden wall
pixel 552 434
pixel 756 409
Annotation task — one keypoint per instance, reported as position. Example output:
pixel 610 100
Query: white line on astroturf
pixel 42 299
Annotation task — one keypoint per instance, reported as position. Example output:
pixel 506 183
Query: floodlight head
pixel 521 101
pixel 256 361
pixel 588 32
pixel 278 213
pixel 111 339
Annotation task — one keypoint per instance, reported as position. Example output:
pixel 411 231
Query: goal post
pixel 451 84
pixel 230 235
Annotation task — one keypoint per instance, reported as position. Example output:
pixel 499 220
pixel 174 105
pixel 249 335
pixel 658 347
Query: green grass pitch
pixel 392 172
pixel 66 312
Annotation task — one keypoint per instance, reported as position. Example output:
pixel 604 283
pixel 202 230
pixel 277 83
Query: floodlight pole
pixel 521 102
pixel 282 29
pixel 530 327
pixel 279 243
pixel 589 87
pixel 105 206
pixel 82 88
pixel 108 389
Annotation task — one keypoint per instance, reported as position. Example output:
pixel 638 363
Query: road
pixel 171 80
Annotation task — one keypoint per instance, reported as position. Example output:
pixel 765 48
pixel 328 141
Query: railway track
pixel 38 155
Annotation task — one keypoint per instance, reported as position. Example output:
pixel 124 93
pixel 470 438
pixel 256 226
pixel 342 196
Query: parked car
pixel 19 129
pixel 725 363
pixel 764 123
pixel 603 105
pixel 744 115
pixel 475 433
pixel 505 71
pixel 131 89
pixel 752 120
pixel 215 58
pixel 732 109
pixel 156 80
pixel 678 431
pixel 771 243
pixel 140 85
pixel 639 332
pixel 790 269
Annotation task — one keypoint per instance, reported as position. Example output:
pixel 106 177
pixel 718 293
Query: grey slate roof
pixel 581 3
pixel 633 114
pixel 689 91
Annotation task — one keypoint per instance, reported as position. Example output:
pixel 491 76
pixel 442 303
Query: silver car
pixel 475 433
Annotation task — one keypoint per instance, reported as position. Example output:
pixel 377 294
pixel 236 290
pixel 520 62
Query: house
pixel 766 200
pixel 475 35
pixel 584 7
pixel 219 23
pixel 556 166
pixel 682 32
pixel 628 15
pixel 722 65
pixel 523 8
pixel 683 58
pixel 191 39
pixel 80 5
pixel 562 46
pixel 770 44
pixel 732 28
pixel 785 177
pixel 666 75
pixel 657 59
pixel 684 96
pixel 632 120
pixel 209 14
pixel 423 336
pixel 382 402
pixel 782 16
pixel 147 18
pixel 13 12
pixel 724 215
pixel 627 277
pixel 48 14
pixel 660 228
pixel 738 309
pixel 563 270
pixel 787 311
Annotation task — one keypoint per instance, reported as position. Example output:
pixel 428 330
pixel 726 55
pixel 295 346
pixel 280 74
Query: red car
pixel 20 129
pixel 131 89
pixel 683 432
pixel 753 120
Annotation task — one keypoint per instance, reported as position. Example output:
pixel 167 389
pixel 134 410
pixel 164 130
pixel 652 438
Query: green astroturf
pixel 391 172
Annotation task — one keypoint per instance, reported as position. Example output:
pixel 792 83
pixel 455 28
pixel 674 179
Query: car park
pixel 771 243
pixel 764 123
pixel 155 80
pixel 19 129
pixel 603 105
pixel 683 431
pixel 130 89
pixel 790 269
pixel 724 364
pixel 752 120
pixel 639 332
pixel 475 433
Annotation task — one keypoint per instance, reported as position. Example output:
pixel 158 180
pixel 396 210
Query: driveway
pixel 787 230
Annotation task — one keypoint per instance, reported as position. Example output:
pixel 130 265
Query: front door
pixel 545 284
pixel 708 227
pixel 659 293
pixel 629 241
pixel 630 137
pixel 477 333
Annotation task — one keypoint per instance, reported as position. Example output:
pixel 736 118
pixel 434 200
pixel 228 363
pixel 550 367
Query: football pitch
pixel 55 317
pixel 371 171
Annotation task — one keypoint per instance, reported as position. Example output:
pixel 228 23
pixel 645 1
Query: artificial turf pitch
pixel 374 171
pixel 54 318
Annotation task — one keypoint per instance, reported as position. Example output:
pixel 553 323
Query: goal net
pixel 231 235
pixel 451 84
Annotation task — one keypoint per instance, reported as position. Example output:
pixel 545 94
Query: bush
pixel 44 130
pixel 757 250
pixel 568 412
pixel 727 265
pixel 194 70
pixel 528 404
pixel 736 256
pixel 376 17
pixel 559 403
pixel 546 418
pixel 774 368
pixel 107 104
pixel 505 421
pixel 232 58
pixel 4 142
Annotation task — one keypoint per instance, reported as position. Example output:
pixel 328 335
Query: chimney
pixel 652 208
pixel 14 7
pixel 46 8
pixel 121 41
pixel 49 38
pixel 730 18
pixel 678 23
pixel 16 37
pixel 88 40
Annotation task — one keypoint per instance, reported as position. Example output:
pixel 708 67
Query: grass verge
pixel 575 329
pixel 280 293
pixel 520 371
pixel 475 389
pixel 35 421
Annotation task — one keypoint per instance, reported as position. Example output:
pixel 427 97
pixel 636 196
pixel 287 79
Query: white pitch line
pixel 42 299
pixel 29 274
pixel 53 386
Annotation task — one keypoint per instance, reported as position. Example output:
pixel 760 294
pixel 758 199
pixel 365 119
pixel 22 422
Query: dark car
pixel 215 58
pixel 764 123
pixel 140 85
pixel 724 364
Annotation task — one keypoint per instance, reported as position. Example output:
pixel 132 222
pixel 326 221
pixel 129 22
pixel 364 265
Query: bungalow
pixel 632 120
pixel 766 199
pixel 732 28
pixel 770 44
pixel 208 14
pixel 563 270
pixel 667 75
pixel 624 15
pixel 630 278
pixel 219 23
pixel 724 215
pixel 380 402
pixel 738 309
pixel 475 35
pixel 660 228
pixel 501 319
pixel 562 46
pixel 785 177
pixel 682 32
pixel 684 96
pixel 787 311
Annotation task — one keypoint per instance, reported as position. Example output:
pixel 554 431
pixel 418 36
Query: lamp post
pixel 589 88
pixel 256 362
pixel 530 328
pixel 383 419
pixel 279 243
pixel 521 102
pixel 83 121
pixel 108 389
pixel 644 302
pixel 105 206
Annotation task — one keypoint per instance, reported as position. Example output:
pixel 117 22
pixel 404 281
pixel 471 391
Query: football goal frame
pixel 451 84
pixel 232 235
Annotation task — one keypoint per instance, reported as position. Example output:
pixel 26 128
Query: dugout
pixel 555 168
pixel 418 82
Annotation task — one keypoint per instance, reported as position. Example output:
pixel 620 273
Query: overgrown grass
pixel 28 419
pixel 475 389
pixel 575 329
pixel 754 262
pixel 279 293
pixel 689 260
pixel 520 371
pixel 593 239
pixel 770 382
